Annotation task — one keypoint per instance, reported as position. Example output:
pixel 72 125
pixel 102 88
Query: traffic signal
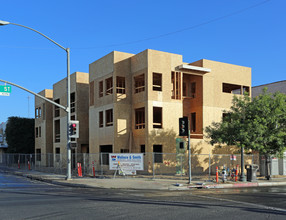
pixel 74 129
pixel 183 126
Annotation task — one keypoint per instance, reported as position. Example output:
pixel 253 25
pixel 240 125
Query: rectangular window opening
pixel 231 88
pixel 142 149
pixel 124 151
pixel 176 82
pixel 158 153
pixel 139 83
pixel 72 102
pixel 101 119
pixel 246 90
pixel 157 81
pixel 140 118
pixel 120 85
pixel 109 117
pixel 157 117
pixel 91 93
pixel 37 132
pixel 105 150
pixel 109 86
pixel 57 109
pixel 57 131
pixel 193 122
pixel 100 89
pixel 58 154
pixel 38 154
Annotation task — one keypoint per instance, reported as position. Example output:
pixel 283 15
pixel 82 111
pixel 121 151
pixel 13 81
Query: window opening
pixel 142 150
pixel 124 151
pixel 57 109
pixel 193 122
pixel 109 86
pixel 246 90
pixel 157 81
pixel 100 91
pixel 101 119
pixel 38 154
pixel 139 82
pixel 192 93
pixel 140 118
pixel 57 131
pixel 91 93
pixel 37 132
pixel 157 117
pixel 72 102
pixel 58 154
pixel 231 88
pixel 120 84
pixel 105 150
pixel 109 117
pixel 158 153
pixel 176 82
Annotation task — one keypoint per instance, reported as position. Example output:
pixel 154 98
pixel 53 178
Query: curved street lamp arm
pixel 6 23
pixel 42 97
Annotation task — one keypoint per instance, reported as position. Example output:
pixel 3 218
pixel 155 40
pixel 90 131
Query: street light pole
pixel 68 91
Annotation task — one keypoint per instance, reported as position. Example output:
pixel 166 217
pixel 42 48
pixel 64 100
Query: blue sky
pixel 250 33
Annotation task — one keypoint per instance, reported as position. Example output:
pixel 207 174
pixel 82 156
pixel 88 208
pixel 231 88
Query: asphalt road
pixel 21 198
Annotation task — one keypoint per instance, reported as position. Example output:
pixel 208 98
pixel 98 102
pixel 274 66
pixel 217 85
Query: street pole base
pixel 268 177
pixel 242 178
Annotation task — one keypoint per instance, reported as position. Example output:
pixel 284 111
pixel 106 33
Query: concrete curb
pixel 54 179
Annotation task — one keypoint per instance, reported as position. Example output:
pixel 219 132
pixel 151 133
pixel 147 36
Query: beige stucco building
pixel 51 121
pixel 136 100
pixel 131 103
pixel 44 127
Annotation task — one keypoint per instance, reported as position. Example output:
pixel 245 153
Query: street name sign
pixel 5 90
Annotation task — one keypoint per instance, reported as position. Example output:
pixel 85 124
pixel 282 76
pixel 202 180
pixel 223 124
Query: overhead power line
pixel 180 30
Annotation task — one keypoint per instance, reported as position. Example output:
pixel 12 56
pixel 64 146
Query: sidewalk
pixel 143 183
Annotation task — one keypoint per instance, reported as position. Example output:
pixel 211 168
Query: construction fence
pixel 155 164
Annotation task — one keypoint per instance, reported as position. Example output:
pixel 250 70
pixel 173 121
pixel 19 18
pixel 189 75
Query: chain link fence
pixel 156 165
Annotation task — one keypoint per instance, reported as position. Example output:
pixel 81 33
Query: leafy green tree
pixel 20 135
pixel 259 125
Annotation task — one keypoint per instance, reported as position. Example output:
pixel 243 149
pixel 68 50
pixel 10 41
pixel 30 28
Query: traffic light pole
pixel 189 150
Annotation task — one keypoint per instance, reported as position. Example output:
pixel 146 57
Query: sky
pixel 249 33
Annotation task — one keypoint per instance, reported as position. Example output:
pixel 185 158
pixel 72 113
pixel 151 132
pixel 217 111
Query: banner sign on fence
pixel 129 163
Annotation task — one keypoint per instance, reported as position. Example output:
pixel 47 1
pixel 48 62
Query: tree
pixel 20 135
pixel 258 125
